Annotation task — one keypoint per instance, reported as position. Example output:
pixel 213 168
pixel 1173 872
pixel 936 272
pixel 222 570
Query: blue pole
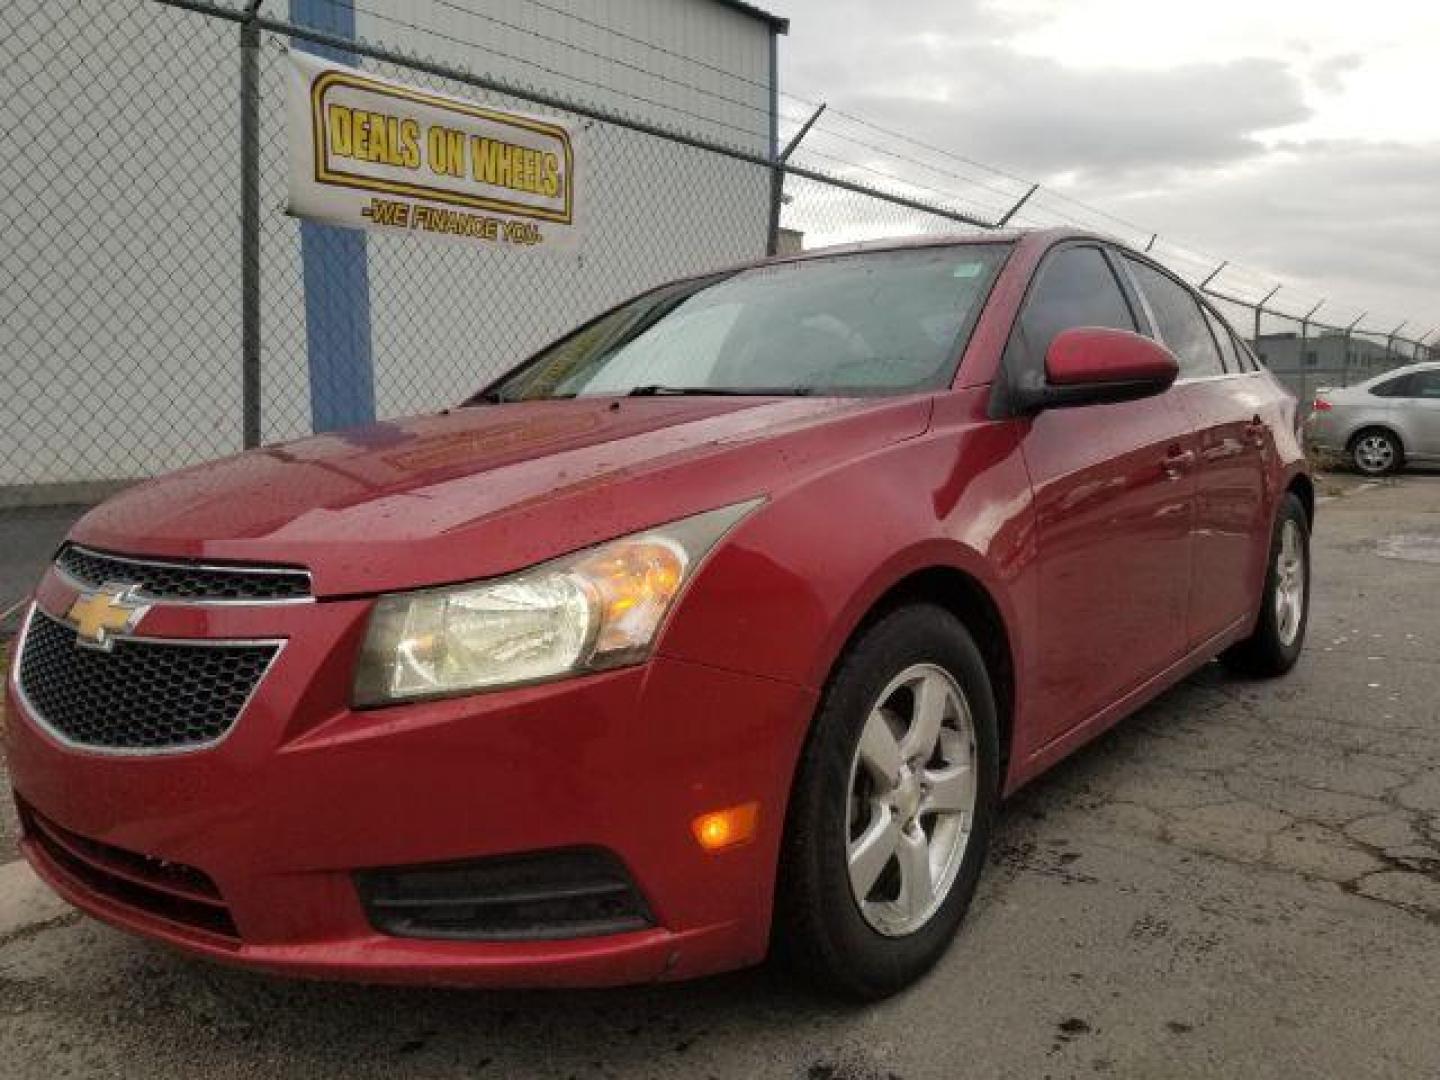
pixel 336 275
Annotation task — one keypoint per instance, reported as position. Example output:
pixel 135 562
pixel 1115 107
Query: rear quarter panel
pixel 1351 411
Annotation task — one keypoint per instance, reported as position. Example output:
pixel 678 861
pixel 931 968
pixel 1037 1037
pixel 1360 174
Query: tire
pixel 1376 452
pixel 868 948
pixel 1279 634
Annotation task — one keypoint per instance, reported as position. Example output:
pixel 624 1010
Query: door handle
pixel 1177 461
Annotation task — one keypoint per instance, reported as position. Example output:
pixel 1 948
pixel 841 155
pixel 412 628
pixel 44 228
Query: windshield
pixel 873 322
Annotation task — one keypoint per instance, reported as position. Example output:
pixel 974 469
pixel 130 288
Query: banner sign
pixel 369 153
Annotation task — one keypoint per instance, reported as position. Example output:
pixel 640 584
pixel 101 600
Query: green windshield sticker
pixel 968 270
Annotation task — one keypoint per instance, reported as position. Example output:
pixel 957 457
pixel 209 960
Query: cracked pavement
pixel 1241 880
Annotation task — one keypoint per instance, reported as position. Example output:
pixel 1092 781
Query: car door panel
pixel 1113 502
pixel 1224 407
pixel 1234 448
pixel 1422 414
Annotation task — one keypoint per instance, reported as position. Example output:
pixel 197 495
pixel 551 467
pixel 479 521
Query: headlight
pixel 595 609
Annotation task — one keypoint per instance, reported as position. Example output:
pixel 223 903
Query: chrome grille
pixel 142 694
pixel 177 580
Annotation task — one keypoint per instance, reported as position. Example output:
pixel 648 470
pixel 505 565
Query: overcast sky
pixel 1297 137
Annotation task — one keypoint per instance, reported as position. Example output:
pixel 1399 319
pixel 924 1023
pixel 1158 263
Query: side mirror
pixel 1090 365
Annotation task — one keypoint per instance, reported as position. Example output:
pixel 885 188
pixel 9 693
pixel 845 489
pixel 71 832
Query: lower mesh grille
pixel 141 695
pixel 166 890
pixel 533 897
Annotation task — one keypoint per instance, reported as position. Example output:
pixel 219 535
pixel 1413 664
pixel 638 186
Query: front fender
pixel 788 588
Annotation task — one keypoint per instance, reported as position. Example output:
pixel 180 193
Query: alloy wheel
pixel 913 791
pixel 1290 573
pixel 1374 453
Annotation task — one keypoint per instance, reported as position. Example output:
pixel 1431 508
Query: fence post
pixel 1213 275
pixel 777 180
pixel 1390 344
pixel 1005 220
pixel 1349 331
pixel 1305 340
pixel 1259 311
pixel 250 227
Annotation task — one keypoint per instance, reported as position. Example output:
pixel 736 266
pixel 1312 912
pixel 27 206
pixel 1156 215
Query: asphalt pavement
pixel 1243 880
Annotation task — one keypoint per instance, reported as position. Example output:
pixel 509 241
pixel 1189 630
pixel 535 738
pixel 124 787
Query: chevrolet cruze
pixel 721 625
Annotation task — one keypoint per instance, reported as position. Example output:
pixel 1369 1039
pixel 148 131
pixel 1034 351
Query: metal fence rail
pixel 159 308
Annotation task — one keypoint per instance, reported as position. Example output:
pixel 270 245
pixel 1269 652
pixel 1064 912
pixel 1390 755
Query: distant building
pixel 1328 356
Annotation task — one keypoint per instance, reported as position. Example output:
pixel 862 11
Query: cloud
pixel 1189 151
pixel 1329 74
pixel 1044 119
pixel 1355 221
pixel 947 74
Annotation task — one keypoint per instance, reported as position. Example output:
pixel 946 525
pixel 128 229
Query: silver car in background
pixel 1382 423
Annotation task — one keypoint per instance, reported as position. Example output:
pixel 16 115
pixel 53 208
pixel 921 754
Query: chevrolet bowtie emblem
pixel 100 614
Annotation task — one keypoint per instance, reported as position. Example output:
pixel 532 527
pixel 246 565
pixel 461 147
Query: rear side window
pixel 1228 355
pixel 1182 327
pixel 1075 287
pixel 1393 387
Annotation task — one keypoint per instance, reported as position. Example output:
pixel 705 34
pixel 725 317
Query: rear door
pixel 1113 503
pixel 1228 407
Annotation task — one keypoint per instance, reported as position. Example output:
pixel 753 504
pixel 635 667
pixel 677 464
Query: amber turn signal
pixel 725 828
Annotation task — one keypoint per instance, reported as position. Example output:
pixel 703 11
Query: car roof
pixel 974 236
pixel 1405 369
pixel 1392 373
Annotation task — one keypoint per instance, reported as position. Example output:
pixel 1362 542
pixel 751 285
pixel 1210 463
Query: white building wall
pixel 119 196
pixel 119 284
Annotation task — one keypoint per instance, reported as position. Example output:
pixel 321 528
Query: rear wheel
pixel 1285 608
pixel 892 807
pixel 1376 452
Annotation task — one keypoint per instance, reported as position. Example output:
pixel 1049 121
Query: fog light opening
pixel 721 829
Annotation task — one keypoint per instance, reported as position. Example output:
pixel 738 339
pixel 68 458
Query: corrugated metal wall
pixel 585 49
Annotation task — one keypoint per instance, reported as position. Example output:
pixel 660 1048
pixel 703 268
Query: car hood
pixel 481 491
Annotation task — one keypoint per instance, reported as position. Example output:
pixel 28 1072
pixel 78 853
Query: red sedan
pixel 723 623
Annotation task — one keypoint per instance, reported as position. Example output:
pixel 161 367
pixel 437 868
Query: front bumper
pixel 305 793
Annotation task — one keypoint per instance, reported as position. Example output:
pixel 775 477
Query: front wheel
pixel 1285 607
pixel 892 808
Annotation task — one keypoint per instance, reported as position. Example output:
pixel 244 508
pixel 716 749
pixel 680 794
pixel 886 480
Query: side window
pixel 1075 287
pixel 1228 355
pixel 1393 387
pixel 1182 327
pixel 1425 384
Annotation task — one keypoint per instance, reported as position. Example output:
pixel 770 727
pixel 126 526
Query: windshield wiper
pixel 661 390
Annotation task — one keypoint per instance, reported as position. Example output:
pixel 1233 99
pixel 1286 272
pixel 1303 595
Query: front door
pixel 1421 405
pixel 1114 497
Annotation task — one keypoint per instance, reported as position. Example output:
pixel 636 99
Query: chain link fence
pixel 122 321
pixel 126 320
